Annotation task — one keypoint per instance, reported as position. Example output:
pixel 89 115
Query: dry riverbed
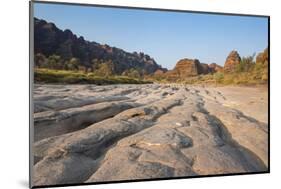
pixel 88 133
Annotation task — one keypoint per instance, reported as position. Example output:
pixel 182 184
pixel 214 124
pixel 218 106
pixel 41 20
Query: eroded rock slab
pixel 123 132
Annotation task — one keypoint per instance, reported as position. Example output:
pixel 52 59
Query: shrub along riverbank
pixel 77 77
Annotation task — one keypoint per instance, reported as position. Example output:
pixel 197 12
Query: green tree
pixel 105 69
pixel 95 64
pixel 246 64
pixel 134 73
pixel 72 64
pixel 55 62
pixel 40 61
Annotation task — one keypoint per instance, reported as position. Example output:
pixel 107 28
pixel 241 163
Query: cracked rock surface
pixel 88 133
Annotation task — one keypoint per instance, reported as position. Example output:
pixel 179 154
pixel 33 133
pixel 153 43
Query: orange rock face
pixel 187 67
pixel 191 67
pixel 215 68
pixel 232 61
pixel 262 58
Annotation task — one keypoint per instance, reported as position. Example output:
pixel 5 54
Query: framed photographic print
pixel 125 94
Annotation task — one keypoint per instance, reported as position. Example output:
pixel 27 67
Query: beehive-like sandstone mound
pixel 191 67
pixel 188 67
pixel 262 58
pixel 232 61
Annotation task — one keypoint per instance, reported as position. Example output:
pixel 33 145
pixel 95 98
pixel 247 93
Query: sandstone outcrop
pixel 50 40
pixel 215 68
pixel 204 69
pixel 262 58
pixel 232 61
pixel 187 67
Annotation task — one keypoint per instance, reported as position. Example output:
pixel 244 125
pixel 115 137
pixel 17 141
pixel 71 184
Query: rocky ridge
pixel 50 40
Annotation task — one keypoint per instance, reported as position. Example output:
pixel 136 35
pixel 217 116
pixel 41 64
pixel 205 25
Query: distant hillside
pixel 57 49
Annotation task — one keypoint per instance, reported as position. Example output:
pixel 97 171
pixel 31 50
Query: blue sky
pixel 165 36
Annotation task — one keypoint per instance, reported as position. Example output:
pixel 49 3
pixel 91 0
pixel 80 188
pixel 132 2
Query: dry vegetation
pixel 79 77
